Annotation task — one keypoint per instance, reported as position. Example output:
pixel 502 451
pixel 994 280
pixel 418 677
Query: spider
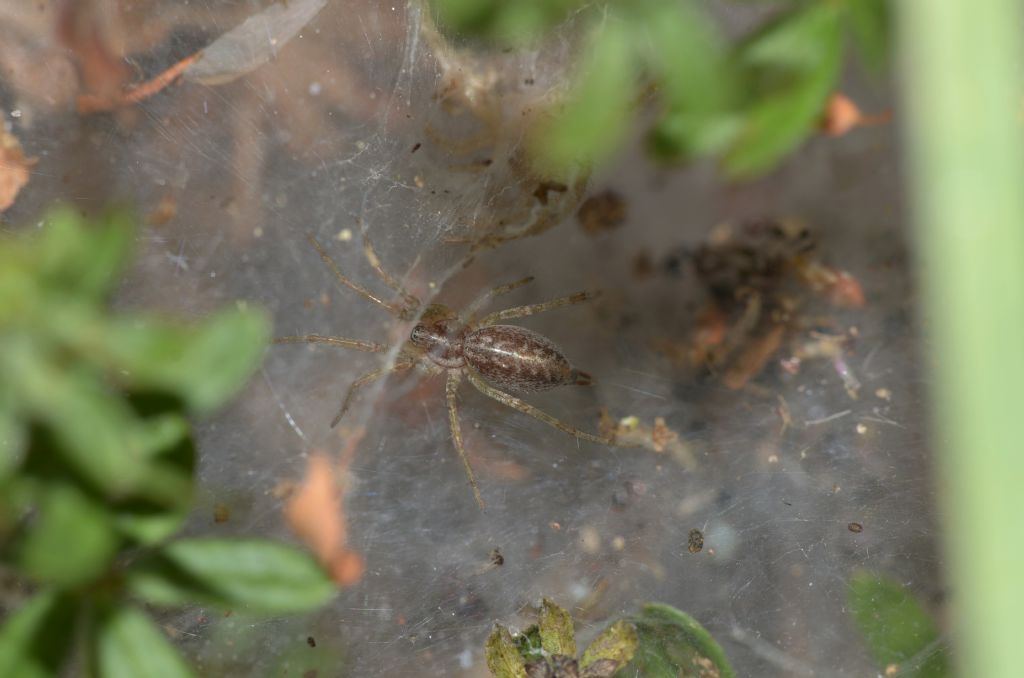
pixel 491 355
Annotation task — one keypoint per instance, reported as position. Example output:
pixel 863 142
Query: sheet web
pixel 367 123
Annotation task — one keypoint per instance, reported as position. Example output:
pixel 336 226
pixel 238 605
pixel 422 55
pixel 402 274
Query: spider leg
pixel 364 380
pixel 344 342
pixel 522 311
pixel 490 294
pixel 451 387
pixel 529 409
pixel 394 309
pixel 411 302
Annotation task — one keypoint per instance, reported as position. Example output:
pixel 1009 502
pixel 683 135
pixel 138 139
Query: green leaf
pixel 698 85
pixel 204 367
pixel 870 22
pixel 512 23
pixel 557 635
pixel 896 627
pixel 36 638
pixel 245 573
pixel 12 436
pixel 84 258
pixel 617 643
pixel 90 425
pixel 129 645
pixel 503 658
pixel 791 68
pixel 164 494
pixel 594 118
pixel 71 540
pixel 672 643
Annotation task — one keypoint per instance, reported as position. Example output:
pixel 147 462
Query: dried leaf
pixel 91 103
pixel 94 33
pixel 843 115
pixel 316 514
pixel 253 43
pixel 14 169
pixel 557 635
pixel 502 655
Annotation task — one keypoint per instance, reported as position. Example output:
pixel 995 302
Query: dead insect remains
pixel 492 356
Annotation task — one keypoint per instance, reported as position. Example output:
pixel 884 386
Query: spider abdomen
pixel 517 358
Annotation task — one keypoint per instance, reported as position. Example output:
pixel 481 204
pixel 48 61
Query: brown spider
pixel 509 356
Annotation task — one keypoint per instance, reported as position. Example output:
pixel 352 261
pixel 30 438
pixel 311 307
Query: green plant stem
pixel 961 80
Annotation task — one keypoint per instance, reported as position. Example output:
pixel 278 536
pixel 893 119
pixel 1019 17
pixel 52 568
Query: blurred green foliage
pixel 748 103
pixel 97 462
pixel 897 629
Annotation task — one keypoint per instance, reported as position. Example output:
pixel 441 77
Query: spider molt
pixel 494 357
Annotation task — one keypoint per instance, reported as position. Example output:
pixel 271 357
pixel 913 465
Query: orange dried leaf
pixel 14 169
pixel 843 115
pixel 316 514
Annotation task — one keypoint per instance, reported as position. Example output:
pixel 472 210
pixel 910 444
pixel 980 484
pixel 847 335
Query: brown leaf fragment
pixel 315 513
pixel 753 358
pixel 94 34
pixel 97 103
pixel 14 169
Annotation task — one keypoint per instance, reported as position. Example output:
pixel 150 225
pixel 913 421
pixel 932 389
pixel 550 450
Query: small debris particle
pixel 496 558
pixel 315 88
pixel 590 540
pixel 555 526
pixel 344 235
pixel 862 429
pixel 856 528
pixel 662 436
pixel 416 147
pixel 546 187
pixel 695 543
pixel 604 211
pixel 884 394
pixel 528 81
pixel 311 641
pixel 164 211
pixel 773 459
pixel 618 543
pixel 892 670
pixel 221 513
pixel 643 267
